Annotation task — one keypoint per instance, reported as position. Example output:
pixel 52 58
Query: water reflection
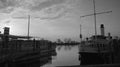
pixel 66 56
pixel 59 48
pixel 68 48
pixel 31 60
pixel 61 56
pixel 36 62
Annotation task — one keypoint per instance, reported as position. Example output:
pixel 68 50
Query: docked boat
pixel 96 49
pixel 95 44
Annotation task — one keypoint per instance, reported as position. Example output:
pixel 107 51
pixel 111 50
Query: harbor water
pixel 61 56
pixel 66 56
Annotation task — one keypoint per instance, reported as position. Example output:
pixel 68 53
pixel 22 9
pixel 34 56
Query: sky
pixel 59 19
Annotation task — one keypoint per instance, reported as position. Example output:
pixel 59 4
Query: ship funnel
pixel 102 30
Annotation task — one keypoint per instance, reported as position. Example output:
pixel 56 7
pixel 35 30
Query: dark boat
pixel 96 49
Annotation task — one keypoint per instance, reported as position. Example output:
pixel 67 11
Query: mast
pixel 95 17
pixel 28 26
pixel 95 14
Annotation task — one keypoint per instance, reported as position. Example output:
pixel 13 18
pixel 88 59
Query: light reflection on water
pixel 66 56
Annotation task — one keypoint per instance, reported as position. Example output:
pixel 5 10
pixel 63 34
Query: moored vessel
pixel 96 49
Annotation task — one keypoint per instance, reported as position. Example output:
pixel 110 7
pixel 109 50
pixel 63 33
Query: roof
pixel 15 36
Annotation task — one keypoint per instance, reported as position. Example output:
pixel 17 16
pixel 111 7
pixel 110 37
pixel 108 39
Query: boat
pixel 96 49
pixel 95 44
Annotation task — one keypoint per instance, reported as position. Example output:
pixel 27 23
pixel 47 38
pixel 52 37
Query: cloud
pixel 7 10
pixel 55 12
pixel 7 22
pixel 7 6
pixel 52 9
pixel 46 4
pixel 55 9
pixel 54 17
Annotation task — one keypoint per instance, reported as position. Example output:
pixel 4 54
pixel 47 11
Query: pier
pixel 22 51
pixel 15 51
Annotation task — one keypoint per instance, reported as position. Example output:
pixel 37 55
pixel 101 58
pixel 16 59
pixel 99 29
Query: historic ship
pixel 96 49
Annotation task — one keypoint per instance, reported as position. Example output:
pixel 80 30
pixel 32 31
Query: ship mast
pixel 95 17
pixel 94 14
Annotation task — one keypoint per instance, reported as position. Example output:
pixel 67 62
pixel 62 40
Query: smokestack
pixel 102 30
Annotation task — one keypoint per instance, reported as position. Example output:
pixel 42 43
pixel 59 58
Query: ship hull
pixel 88 58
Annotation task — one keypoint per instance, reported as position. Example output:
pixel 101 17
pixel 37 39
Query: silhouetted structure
pixel 97 49
pixel 15 52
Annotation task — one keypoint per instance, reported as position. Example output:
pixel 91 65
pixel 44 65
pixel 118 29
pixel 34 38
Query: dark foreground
pixel 102 65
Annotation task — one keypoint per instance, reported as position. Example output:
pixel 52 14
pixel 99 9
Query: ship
pixel 96 49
